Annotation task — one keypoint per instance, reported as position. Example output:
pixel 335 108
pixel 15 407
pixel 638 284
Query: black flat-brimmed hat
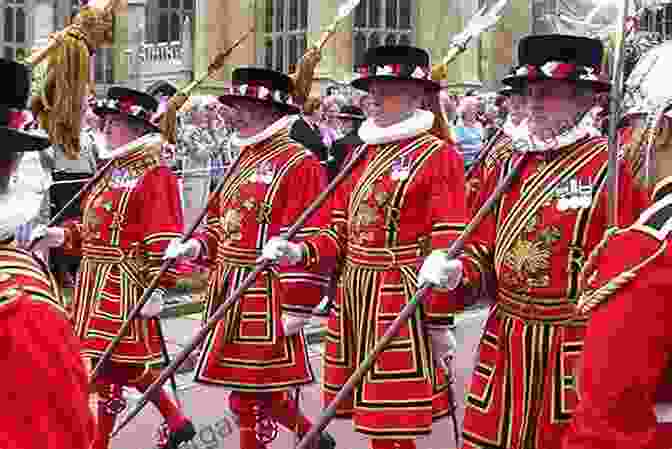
pixel 396 62
pixel 13 114
pixel 507 91
pixel 162 89
pixel 261 85
pixel 351 113
pixel 575 59
pixel 135 105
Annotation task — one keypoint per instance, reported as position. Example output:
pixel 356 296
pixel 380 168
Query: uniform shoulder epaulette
pixel 604 276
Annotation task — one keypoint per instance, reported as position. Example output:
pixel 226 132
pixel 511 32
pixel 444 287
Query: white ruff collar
pixel 419 122
pixel 524 142
pixel 510 129
pixel 241 142
pixel 149 139
pixel 19 205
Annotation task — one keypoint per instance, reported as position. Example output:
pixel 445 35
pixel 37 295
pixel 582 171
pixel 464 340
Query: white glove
pixel 283 251
pixel 292 324
pixel 189 250
pixel 22 234
pixel 48 237
pixel 444 344
pixel 440 271
pixel 154 304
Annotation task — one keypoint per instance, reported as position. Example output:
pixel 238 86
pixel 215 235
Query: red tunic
pixel 44 393
pixel 129 217
pixel 523 390
pixel 500 149
pixel 276 180
pixel 628 342
pixel 403 200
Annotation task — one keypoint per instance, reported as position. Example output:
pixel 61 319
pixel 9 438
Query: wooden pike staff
pixel 485 152
pixel 244 285
pixel 59 107
pixel 302 79
pixel 330 412
pixel 168 121
pixel 155 282
pixel 215 65
pixel 167 125
pixel 614 114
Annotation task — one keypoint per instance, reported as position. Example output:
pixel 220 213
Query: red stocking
pixel 242 404
pixel 283 409
pixel 168 409
pixel 107 393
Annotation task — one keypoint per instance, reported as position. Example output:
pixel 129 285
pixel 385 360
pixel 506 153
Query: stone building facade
pixel 174 39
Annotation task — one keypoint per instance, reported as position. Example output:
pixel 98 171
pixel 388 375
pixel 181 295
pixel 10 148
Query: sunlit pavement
pixel 217 429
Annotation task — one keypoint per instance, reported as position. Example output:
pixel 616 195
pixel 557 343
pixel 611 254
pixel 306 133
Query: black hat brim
pixel 17 141
pixel 233 100
pixel 520 82
pixel 363 83
pixel 102 111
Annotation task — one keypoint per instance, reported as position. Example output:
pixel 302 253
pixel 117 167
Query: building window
pixel 165 19
pixel 14 26
pixel 285 33
pixel 658 20
pixel 378 22
pixel 104 66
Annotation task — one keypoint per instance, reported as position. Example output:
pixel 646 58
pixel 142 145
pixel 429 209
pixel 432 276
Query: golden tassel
pixel 303 76
pixel 440 127
pixel 60 107
pixel 168 124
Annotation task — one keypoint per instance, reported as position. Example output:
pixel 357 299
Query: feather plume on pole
pixel 480 22
pixel 303 76
pixel 60 104
pixel 168 123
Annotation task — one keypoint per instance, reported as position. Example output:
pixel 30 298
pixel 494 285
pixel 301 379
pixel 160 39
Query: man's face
pixel 329 112
pixel 552 105
pixel 394 99
pixel 368 105
pixel 117 132
pixel 250 117
pixel 517 108
pixel 469 109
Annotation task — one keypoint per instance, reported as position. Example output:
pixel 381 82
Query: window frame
pixel 280 35
pixel 380 29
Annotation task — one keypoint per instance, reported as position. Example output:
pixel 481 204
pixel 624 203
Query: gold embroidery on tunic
pixel 529 261
pixel 232 224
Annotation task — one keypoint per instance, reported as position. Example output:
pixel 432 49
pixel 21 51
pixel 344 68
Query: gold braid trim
pixel 592 298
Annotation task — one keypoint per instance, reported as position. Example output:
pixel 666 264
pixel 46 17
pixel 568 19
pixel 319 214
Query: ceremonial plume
pixel 481 22
pixel 303 77
pixel 168 120
pixel 59 106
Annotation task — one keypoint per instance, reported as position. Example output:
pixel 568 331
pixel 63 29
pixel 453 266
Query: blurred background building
pixel 173 39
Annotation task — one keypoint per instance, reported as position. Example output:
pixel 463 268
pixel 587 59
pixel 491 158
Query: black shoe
pixel 184 434
pixel 326 441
